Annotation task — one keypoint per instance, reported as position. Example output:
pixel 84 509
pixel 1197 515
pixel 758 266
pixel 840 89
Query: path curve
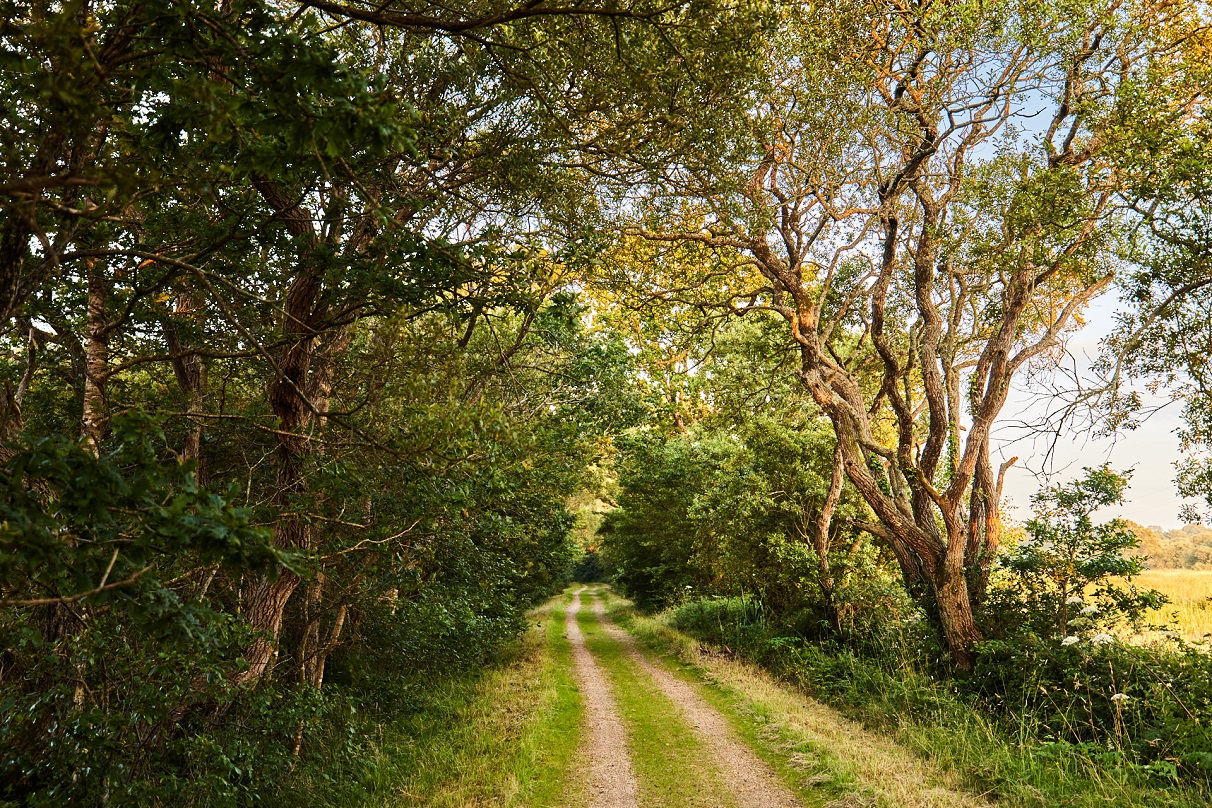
pixel 747 776
pixel 612 782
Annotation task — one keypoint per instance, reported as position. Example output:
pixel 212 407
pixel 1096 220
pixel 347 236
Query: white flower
pixel 1119 697
pixel 1102 639
pixel 1069 640
pixel 1074 600
pixel 1090 610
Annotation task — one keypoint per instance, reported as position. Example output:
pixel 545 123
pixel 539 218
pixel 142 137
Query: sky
pixel 1150 450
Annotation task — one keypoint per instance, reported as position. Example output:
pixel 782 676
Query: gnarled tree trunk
pixel 265 598
pixel 190 371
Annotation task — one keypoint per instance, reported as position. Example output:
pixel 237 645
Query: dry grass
pixel 887 771
pixel 1190 593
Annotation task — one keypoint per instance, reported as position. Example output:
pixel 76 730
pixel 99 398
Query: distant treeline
pixel 1187 548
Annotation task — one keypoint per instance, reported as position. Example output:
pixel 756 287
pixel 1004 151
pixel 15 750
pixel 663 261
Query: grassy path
pixel 748 779
pixel 610 779
pixel 772 745
pixel 590 714
pixel 674 767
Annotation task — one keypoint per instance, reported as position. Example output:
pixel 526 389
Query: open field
pixel 1190 593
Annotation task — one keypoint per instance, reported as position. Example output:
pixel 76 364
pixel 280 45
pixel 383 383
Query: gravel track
pixel 750 779
pixel 612 782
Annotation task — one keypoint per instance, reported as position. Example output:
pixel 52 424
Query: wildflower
pixel 1069 640
pixel 1102 639
pixel 1119 698
pixel 1090 610
pixel 1074 600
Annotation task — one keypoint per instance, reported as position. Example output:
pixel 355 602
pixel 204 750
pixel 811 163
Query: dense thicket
pixel 296 384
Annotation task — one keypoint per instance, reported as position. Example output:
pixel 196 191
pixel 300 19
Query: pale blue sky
pixel 1151 449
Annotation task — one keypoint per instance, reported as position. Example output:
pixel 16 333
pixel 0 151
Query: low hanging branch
pixel 103 587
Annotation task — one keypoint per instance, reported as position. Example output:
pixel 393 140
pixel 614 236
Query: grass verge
pixel 926 717
pixel 506 737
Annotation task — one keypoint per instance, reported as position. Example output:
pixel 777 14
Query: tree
pixel 930 201
pixel 334 252
pixel 1163 336
pixel 1068 572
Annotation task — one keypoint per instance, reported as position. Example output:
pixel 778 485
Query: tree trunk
pixel 313 652
pixel 11 401
pixel 314 649
pixel 265 599
pixel 954 607
pixel 94 419
pixel 190 372
pixel 820 541
pixel 264 603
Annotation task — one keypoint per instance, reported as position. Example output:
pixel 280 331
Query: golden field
pixel 1190 593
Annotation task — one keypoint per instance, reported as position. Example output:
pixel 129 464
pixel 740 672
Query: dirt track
pixel 611 781
pixel 882 773
pixel 748 777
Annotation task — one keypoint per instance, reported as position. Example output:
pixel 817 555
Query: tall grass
pixel 1008 753
pixel 1190 593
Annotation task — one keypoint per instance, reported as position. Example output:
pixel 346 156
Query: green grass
pixel 672 766
pixel 506 737
pixel 924 716
pixel 817 776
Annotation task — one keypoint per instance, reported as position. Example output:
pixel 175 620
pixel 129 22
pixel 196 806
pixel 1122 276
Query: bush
pixel 1054 668
pixel 1072 578
pixel 722 621
pixel 1150 705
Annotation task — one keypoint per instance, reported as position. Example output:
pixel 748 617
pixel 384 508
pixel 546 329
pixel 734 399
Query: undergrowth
pixel 504 734
pixel 1013 755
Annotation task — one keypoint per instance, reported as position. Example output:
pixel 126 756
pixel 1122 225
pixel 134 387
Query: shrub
pixel 1070 577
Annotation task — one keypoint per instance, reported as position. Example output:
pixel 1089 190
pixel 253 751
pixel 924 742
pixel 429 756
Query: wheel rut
pixel 751 780
pixel 611 779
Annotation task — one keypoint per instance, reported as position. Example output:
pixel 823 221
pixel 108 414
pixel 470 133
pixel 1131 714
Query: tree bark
pixel 190 371
pixel 94 417
pixel 265 598
pixel 820 540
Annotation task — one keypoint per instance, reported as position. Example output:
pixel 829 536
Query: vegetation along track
pixel 660 733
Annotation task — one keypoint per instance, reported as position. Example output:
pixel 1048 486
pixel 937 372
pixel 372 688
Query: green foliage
pixel 644 542
pixel 1071 575
pixel 70 519
pixel 589 569
pixel 109 669
pixel 730 511
pixel 1145 707
pixel 1056 667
